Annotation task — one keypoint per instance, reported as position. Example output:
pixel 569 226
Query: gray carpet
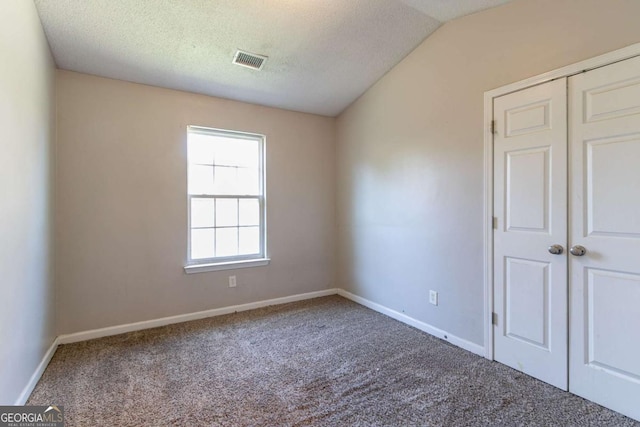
pixel 322 362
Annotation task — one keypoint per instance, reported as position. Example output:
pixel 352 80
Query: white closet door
pixel 604 122
pixel 530 204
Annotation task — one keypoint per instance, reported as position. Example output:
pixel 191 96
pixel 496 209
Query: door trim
pixel 589 64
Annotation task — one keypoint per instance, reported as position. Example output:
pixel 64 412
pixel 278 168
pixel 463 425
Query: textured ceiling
pixel 323 54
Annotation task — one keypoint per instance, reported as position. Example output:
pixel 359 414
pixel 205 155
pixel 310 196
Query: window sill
pixel 232 265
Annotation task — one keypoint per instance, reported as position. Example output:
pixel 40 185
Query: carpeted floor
pixel 322 362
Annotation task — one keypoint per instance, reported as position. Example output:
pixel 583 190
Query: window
pixel 226 199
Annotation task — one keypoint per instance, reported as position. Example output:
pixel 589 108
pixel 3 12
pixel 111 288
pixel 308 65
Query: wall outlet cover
pixel 433 297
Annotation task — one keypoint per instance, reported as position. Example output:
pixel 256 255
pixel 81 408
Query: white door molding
pixel 589 64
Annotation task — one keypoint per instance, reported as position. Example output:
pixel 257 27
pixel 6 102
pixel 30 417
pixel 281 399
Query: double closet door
pixel 567 234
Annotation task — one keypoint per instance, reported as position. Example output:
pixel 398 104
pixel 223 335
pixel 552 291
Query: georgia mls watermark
pixel 31 416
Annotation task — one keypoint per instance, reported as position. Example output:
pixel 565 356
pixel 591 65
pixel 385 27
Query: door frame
pixel 579 67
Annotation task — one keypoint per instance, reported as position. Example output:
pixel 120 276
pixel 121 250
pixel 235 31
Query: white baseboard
pixel 147 324
pixel 138 326
pixel 26 392
pixel 432 330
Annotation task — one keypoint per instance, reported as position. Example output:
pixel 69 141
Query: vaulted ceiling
pixel 322 54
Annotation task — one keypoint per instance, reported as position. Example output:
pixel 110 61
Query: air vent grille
pixel 249 60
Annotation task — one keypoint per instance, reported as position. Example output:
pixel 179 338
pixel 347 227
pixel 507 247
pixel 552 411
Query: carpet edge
pixel 424 327
pixel 163 321
pixel 37 374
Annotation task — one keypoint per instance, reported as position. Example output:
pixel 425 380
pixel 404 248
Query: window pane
pixel 225 188
pixel 200 148
pixel 226 180
pixel 249 212
pixel 249 240
pixel 226 242
pixel 226 212
pixel 202 211
pixel 200 179
pixel 237 152
pixel 202 243
pixel 248 182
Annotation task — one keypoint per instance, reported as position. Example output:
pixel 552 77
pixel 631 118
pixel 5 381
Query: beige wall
pixel 27 130
pixel 121 236
pixel 410 152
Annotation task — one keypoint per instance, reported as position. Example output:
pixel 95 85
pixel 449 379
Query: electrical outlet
pixel 232 281
pixel 433 297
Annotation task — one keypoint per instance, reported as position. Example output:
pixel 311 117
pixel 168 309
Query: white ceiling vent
pixel 249 60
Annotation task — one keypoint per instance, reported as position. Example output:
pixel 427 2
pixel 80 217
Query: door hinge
pixel 494 319
pixel 495 222
pixel 493 127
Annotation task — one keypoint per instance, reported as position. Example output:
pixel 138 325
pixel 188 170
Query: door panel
pixel 527 301
pixel 612 100
pixel 527 180
pixel 605 292
pixel 612 163
pixel 528 118
pixel 604 122
pixel 530 204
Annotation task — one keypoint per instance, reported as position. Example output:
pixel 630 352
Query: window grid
pixel 260 225
pixel 238 225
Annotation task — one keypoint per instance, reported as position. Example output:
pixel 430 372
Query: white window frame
pixel 237 261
